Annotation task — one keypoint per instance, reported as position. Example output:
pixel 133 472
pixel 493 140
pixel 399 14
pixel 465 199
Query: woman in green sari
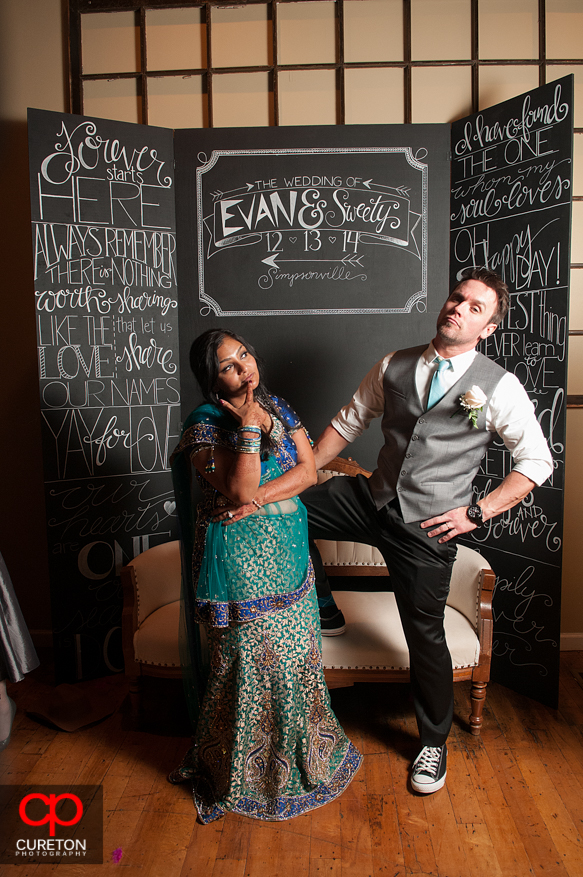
pixel 267 744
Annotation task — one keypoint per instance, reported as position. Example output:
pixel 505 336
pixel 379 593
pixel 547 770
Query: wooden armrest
pixel 346 467
pixel 487 592
pixel 486 624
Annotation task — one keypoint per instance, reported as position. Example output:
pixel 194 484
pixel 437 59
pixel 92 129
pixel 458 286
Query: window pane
pixel 501 83
pixel 577 233
pixel 307 97
pixel 578 164
pixel 111 42
pixel 306 33
pixel 560 70
pixel 441 94
pixel 177 102
pixel 175 39
pixel 440 30
pixel 575 368
pixel 508 30
pixel 373 30
pixel 241 100
pixel 374 96
pixel 241 37
pixel 564 28
pixel 576 299
pixel 112 99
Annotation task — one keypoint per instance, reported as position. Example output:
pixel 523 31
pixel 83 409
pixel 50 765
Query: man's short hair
pixel 494 282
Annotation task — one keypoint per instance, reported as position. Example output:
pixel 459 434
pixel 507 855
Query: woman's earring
pixel 210 466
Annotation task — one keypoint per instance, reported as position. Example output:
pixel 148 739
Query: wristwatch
pixel 474 513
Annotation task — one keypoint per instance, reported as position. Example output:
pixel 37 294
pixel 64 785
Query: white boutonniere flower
pixel 471 403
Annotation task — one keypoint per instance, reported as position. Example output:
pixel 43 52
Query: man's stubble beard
pixel 449 337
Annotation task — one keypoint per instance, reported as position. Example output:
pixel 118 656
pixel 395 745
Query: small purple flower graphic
pixel 116 855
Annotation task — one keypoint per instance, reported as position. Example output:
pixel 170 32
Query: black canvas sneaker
pixel 429 769
pixel 332 620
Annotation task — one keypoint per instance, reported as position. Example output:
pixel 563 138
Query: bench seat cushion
pixel 374 637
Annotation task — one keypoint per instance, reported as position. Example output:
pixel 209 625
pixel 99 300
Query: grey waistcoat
pixel 430 458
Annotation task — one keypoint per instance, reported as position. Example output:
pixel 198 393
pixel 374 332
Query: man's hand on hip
pixel 509 493
pixel 449 524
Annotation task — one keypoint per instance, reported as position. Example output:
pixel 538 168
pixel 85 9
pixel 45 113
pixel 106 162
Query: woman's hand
pixel 234 513
pixel 250 413
pixel 227 479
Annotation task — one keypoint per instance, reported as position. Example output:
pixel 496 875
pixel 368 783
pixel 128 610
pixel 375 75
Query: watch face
pixel 474 513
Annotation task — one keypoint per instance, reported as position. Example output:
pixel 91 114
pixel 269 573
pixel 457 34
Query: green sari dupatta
pixel 237 573
pixel 193 657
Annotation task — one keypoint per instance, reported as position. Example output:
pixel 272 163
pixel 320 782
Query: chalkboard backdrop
pixel 104 251
pixel 510 209
pixel 327 248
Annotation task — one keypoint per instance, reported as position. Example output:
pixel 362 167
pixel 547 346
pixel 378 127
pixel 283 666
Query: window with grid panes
pixel 327 62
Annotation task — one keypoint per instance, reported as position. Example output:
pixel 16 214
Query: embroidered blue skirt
pixel 267 743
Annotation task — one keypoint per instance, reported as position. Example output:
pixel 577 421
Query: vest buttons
pixel 421 420
pixel 408 456
pixel 403 472
pixel 414 438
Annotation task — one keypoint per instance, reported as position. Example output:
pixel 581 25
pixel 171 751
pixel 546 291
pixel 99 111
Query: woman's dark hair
pixel 204 362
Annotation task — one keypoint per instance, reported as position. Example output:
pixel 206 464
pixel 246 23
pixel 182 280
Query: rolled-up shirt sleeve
pixel 512 415
pixel 367 403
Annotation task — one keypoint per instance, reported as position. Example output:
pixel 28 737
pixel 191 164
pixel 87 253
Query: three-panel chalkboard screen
pixel 326 248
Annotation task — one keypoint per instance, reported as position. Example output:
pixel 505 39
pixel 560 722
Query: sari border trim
pixel 217 614
pixel 286 806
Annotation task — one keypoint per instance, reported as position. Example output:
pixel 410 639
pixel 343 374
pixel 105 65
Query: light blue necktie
pixel 438 389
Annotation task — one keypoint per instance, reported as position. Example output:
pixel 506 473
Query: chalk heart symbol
pixel 169 507
pixel 293 240
pixel 331 239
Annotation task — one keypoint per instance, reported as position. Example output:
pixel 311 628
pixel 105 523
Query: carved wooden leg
pixel 478 698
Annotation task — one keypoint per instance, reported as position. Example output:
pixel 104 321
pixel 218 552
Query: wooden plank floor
pixel 512 805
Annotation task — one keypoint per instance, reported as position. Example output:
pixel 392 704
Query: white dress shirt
pixel 510 412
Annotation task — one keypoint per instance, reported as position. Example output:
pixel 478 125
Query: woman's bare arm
pixel 295 480
pixel 291 483
pixel 236 475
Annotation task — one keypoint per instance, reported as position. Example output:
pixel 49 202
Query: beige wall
pixel 572 596
pixel 32 73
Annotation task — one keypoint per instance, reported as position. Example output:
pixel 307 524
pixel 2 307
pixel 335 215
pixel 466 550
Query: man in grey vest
pixel 441 406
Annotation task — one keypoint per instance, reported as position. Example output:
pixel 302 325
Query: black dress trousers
pixel 420 570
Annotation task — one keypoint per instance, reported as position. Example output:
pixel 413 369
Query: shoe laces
pixel 428 759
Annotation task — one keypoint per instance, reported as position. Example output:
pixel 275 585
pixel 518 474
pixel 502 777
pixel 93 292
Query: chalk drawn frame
pixel 417 300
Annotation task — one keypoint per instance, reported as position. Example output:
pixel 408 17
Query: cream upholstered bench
pixel 150 617
pixel 373 648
